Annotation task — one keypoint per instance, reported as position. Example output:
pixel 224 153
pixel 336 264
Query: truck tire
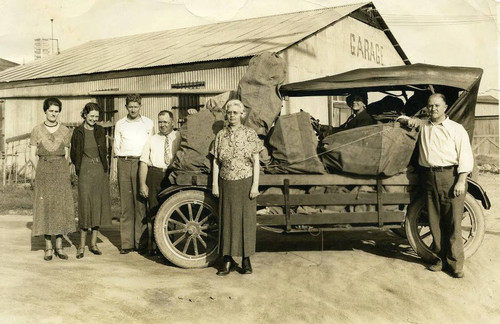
pixel 187 229
pixel 419 235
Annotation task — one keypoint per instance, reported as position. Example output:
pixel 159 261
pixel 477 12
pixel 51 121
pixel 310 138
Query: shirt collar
pixel 133 121
pixel 169 134
pixel 240 126
pixel 444 122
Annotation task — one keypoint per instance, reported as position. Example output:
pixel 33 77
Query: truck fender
pixel 167 192
pixel 477 192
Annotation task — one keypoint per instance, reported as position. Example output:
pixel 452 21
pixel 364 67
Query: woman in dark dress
pixel 236 165
pixel 89 155
pixel 53 208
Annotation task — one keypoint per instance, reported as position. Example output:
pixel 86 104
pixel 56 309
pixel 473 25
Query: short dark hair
pixel 91 106
pixel 439 95
pixel 133 97
pixel 52 102
pixel 166 112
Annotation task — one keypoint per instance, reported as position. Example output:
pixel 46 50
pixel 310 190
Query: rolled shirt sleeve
pixel 464 151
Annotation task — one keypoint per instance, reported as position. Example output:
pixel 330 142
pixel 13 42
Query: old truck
pixel 187 225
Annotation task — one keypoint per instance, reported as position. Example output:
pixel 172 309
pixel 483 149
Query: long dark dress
pixel 53 208
pixel 234 150
pixel 94 208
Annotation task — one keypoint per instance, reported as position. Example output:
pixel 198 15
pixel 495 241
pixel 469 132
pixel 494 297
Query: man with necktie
pixel 156 158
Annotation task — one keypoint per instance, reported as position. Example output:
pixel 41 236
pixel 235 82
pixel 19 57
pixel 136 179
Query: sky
pixel 443 32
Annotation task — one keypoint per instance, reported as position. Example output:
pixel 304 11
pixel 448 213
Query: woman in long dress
pixel 89 155
pixel 235 179
pixel 53 208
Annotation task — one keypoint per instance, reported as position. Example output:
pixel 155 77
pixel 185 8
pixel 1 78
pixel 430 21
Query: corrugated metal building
pixel 4 64
pixel 180 68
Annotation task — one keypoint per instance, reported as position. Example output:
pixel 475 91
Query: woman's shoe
pixel 246 266
pixel 80 252
pixel 48 254
pixel 61 254
pixel 228 266
pixel 94 249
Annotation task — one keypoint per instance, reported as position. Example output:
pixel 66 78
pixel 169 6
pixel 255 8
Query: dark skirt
pixel 53 208
pixel 94 207
pixel 238 218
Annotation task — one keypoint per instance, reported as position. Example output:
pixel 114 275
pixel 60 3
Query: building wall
pixel 486 109
pixel 25 111
pixel 346 45
pixel 485 141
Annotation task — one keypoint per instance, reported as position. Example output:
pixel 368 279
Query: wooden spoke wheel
pixel 419 234
pixel 187 229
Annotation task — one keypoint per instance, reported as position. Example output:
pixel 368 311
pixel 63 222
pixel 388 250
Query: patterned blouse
pixel 48 143
pixel 234 150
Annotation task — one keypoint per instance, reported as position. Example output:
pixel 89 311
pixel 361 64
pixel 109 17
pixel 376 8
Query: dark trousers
pixel 157 180
pixel 445 216
pixel 132 219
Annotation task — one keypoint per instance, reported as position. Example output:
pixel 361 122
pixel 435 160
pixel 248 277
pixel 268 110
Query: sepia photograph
pixel 249 161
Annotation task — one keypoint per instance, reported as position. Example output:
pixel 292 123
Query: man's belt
pixel 128 157
pixel 439 168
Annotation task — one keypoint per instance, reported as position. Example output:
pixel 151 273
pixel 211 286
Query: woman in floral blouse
pixel 235 179
pixel 53 208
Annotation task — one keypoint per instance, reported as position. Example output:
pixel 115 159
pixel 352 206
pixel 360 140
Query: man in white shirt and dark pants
pixel 156 158
pixel 446 158
pixel 131 133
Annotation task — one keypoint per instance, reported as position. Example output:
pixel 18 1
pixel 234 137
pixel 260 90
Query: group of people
pixel 143 162
pixel 144 158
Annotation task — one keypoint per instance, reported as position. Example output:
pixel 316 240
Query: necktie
pixel 167 150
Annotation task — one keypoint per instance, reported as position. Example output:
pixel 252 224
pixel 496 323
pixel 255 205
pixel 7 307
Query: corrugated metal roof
pixel 219 41
pixel 4 64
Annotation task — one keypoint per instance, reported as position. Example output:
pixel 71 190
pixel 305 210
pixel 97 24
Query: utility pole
pixel 52 35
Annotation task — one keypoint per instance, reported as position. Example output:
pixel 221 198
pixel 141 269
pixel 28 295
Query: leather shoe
pixel 228 266
pixel 95 250
pixel 60 254
pixel 457 274
pixel 126 251
pixel 438 266
pixel 80 253
pixel 246 266
pixel 48 255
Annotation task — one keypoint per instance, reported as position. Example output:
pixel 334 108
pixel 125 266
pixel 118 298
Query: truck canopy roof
pixel 386 79
pixel 460 83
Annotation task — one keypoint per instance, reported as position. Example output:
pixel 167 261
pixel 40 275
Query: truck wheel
pixel 420 237
pixel 187 229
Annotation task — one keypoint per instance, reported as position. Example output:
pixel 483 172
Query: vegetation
pixel 18 199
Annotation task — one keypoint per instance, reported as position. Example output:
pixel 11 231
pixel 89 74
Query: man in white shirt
pixel 156 158
pixel 446 158
pixel 131 133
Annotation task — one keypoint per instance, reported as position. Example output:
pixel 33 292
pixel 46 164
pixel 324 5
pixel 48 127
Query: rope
pixel 314 264
pixel 337 147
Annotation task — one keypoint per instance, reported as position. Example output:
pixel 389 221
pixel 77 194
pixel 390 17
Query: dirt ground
pixel 344 277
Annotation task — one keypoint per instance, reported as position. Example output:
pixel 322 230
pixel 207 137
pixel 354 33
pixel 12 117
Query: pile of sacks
pixel 291 141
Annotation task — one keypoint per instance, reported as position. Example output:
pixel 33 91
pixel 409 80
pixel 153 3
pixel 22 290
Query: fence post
pixel 4 164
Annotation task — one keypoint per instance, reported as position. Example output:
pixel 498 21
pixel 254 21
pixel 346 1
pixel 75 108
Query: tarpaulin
pixel 294 145
pixel 372 150
pixel 197 135
pixel 258 91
